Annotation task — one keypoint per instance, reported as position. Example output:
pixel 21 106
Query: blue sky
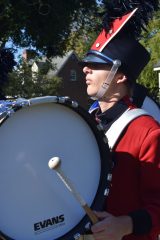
pixel 18 52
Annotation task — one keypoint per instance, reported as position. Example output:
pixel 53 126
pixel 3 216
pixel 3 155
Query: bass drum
pixel 35 204
pixel 142 99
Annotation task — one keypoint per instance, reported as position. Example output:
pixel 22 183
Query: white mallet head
pixel 54 162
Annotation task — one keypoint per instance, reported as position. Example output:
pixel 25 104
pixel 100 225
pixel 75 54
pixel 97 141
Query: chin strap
pixel 106 83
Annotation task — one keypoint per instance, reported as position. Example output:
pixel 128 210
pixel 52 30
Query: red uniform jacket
pixel 136 174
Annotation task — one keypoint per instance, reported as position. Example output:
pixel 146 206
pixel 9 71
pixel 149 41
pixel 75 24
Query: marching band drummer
pixel 111 67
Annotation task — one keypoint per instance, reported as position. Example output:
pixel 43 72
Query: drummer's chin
pixel 91 93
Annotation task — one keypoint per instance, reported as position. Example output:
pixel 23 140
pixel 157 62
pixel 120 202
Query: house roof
pixel 59 62
pixel 39 64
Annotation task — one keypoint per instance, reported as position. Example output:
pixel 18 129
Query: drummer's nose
pixel 87 69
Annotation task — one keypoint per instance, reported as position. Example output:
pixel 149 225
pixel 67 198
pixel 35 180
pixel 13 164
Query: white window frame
pixel 73 75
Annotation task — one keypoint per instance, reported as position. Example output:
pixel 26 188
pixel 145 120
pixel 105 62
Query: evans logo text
pixel 49 223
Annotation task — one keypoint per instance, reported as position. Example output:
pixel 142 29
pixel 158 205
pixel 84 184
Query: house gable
pixel 69 70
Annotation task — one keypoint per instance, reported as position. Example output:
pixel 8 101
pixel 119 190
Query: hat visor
pixel 93 59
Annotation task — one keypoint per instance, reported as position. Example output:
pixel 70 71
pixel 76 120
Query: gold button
pixel 97 45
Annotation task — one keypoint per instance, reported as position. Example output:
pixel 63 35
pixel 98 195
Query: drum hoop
pixel 106 164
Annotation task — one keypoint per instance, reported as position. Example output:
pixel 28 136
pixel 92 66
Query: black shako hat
pixel 118 44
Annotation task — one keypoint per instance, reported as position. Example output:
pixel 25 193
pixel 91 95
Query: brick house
pixel 73 78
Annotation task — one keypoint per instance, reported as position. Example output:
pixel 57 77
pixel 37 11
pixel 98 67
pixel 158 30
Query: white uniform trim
pixel 121 123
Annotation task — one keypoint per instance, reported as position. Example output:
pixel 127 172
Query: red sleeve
pixel 150 176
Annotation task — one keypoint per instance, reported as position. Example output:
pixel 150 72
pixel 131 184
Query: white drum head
pixel 35 204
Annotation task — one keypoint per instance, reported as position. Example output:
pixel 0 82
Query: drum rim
pixel 103 183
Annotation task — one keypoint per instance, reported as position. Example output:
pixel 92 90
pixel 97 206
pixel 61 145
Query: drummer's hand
pixel 111 227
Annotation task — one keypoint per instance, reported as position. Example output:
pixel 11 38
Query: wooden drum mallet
pixel 55 164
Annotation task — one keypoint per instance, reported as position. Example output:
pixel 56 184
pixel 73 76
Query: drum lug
pixel 100 127
pixel 74 104
pixel 106 192
pixel 77 236
pixel 88 226
pixel 63 99
pixel 109 177
pixel 105 139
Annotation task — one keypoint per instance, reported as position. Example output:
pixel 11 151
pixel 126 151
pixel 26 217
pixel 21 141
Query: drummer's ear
pixel 121 78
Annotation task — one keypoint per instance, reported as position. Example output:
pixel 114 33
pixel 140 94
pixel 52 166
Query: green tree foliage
pixel 46 26
pixel 82 40
pixel 54 27
pixel 43 24
pixel 23 83
pixel 6 65
pixel 151 41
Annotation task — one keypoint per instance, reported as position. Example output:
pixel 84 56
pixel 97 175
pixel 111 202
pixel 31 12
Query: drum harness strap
pixel 121 123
